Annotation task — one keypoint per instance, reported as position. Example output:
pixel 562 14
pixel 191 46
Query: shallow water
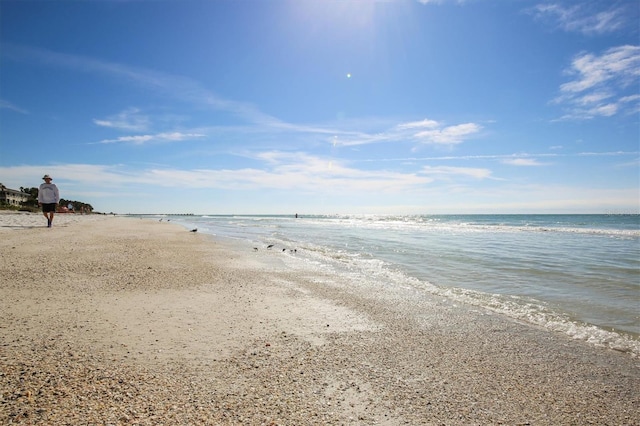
pixel 578 274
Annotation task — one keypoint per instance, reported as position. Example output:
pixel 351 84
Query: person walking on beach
pixel 48 198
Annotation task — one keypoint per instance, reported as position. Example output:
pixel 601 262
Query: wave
pixel 468 227
pixel 337 242
pixel 535 312
pixel 360 268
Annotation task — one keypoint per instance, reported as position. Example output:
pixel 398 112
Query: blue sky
pixel 394 106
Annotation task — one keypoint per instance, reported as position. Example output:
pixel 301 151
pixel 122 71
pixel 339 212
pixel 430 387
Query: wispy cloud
pixel 522 162
pixel 506 157
pixel 603 85
pixel 450 135
pixel 8 105
pixel 282 171
pixel 366 132
pixel 302 171
pixel 441 1
pixel 584 17
pixel 449 172
pixel 159 137
pixel 129 119
pixel 424 132
pixel 633 163
pixel 178 87
pixel 423 124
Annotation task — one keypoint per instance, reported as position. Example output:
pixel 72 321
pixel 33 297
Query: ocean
pixel 574 274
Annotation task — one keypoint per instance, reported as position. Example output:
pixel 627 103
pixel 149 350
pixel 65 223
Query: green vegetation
pixel 77 206
pixel 32 203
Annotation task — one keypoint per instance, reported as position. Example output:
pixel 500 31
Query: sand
pixel 123 321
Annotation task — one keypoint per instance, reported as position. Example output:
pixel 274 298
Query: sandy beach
pixel 125 321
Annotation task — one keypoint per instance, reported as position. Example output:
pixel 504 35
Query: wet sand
pixel 110 320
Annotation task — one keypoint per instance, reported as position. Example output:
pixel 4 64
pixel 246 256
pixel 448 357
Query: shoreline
pixel 142 322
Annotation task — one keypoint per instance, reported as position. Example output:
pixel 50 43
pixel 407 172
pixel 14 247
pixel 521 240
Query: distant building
pixel 12 197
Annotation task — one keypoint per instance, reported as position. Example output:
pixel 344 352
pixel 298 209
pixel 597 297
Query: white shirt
pixel 48 194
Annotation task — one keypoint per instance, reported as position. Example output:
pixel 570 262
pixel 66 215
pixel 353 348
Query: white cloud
pixel 159 137
pixel 291 172
pixel 630 104
pixel 312 173
pixel 593 98
pixel 441 1
pixel 633 163
pixel 603 85
pixel 620 63
pixel 522 162
pixel 8 105
pixel 632 98
pixel 424 132
pixel 129 119
pixel 448 135
pixel 511 156
pixel 92 175
pixel 583 18
pixel 447 171
pixel 426 123
pixel 177 136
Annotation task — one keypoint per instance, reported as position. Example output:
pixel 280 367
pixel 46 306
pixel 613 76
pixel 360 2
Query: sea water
pixel 576 274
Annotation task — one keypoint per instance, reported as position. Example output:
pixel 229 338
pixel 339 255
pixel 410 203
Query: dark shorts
pixel 49 207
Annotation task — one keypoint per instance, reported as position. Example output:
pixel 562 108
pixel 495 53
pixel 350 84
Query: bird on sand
pixel 194 230
pixel 270 246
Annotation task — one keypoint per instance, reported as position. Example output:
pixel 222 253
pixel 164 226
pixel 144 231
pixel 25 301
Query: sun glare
pixel 342 17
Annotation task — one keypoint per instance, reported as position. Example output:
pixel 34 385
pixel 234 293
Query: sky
pixel 324 107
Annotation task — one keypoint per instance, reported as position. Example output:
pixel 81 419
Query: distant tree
pixel 32 202
pixel 33 196
pixel 77 206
